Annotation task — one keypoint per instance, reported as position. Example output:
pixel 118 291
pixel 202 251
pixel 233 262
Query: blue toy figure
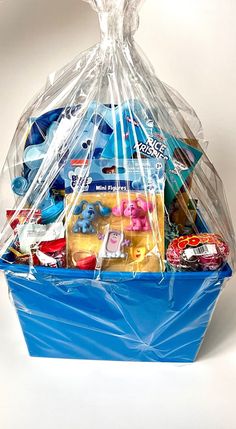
pixel 89 212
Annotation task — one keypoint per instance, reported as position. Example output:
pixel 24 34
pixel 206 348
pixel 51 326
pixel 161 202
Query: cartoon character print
pixel 114 242
pixel 138 254
pixel 113 246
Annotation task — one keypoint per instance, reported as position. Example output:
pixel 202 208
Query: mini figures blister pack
pixel 115 217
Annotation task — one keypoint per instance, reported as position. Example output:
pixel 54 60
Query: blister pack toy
pixel 115 233
pixel 115 216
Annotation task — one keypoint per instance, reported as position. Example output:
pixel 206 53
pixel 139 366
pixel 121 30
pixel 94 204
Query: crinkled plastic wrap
pixel 116 237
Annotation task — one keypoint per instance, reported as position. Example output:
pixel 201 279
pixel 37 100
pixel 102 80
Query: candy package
pixel 110 204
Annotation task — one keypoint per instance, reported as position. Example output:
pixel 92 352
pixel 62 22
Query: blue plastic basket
pixel 152 317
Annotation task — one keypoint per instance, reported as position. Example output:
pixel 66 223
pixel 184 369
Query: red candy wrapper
pixel 48 254
pixel 51 253
pixel 202 252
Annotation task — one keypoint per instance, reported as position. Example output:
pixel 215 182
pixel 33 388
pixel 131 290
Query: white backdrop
pixel 192 45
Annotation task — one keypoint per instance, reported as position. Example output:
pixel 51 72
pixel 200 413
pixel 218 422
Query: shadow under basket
pixel 147 317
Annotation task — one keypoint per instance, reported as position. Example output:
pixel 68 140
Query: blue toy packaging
pixel 115 217
pixel 115 234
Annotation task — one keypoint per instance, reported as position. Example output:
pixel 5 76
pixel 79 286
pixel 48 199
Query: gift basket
pixel 116 237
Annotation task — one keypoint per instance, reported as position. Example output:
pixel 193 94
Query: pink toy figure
pixel 137 210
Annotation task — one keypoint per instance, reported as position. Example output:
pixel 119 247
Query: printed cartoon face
pixel 114 241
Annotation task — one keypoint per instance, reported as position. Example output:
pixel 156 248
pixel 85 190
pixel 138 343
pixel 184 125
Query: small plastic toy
pixel 202 252
pixel 137 210
pixel 51 208
pixel 88 263
pixel 113 245
pixel 89 212
pixel 84 260
pixel 19 186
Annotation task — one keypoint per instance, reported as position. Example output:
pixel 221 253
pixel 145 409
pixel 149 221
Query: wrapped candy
pixel 201 252
pixel 47 254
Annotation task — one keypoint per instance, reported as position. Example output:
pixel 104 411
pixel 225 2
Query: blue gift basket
pixel 152 317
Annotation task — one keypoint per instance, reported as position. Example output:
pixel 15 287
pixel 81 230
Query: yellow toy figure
pixel 138 253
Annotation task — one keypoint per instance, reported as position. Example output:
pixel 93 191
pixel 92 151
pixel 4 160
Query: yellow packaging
pixel 143 250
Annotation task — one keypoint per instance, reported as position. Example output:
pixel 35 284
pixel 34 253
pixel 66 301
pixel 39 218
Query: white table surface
pixel 37 37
